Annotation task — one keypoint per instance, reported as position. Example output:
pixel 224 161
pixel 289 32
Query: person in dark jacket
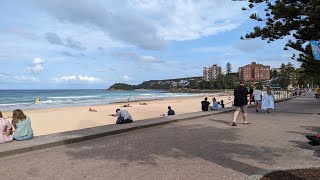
pixel 240 103
pixel 170 111
pixel 205 104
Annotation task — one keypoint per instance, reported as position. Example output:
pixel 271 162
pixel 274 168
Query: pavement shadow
pixel 304 144
pixel 209 143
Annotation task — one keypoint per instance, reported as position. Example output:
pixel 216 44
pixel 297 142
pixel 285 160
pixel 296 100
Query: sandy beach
pixel 48 121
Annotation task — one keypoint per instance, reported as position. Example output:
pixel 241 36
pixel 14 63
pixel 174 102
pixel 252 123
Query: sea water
pixel 26 99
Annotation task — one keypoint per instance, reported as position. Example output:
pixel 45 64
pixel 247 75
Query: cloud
pixel 250 46
pixel 141 58
pixel 74 44
pixel 69 54
pixel 149 24
pixel 37 66
pixel 128 27
pixel 54 38
pixel 77 79
pixel 126 78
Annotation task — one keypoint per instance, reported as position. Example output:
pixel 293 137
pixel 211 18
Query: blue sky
pixel 58 44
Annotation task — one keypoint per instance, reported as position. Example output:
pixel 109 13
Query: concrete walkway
pixel 201 148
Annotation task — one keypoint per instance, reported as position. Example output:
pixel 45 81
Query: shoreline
pixel 107 103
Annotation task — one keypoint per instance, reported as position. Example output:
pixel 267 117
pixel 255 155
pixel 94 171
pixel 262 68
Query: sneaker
pixel 233 124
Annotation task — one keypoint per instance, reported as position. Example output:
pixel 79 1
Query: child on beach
pixel 5 130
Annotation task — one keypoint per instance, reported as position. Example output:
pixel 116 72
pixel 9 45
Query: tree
pixel 229 68
pixel 230 81
pixel 294 18
pixel 275 74
pixel 193 84
pixel 221 81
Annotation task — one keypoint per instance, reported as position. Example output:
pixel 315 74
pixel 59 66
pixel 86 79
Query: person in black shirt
pixel 240 102
pixel 205 104
pixel 170 111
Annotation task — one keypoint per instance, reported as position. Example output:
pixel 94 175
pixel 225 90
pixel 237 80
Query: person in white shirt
pixel 123 116
pixel 257 97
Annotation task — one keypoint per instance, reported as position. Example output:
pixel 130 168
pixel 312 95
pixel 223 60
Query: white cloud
pixel 149 24
pixel 37 66
pixel 77 79
pixel 38 61
pixel 126 78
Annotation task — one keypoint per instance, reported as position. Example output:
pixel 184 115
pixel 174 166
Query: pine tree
pixel 299 19
pixel 229 68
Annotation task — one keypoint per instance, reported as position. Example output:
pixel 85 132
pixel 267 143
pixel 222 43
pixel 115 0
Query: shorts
pixel 258 101
pixel 243 108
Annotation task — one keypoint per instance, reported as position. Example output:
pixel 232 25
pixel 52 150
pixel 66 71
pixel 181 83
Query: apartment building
pixel 254 72
pixel 212 72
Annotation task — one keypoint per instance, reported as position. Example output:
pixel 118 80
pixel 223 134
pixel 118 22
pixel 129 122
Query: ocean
pixel 26 99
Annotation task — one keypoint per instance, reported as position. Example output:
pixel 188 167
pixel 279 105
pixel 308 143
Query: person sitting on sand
pixel 126 105
pixel 205 104
pixel 5 130
pixel 123 116
pixel 21 126
pixel 170 111
pixel 92 110
pixel 215 105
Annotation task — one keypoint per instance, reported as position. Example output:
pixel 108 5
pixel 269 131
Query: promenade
pixel 202 148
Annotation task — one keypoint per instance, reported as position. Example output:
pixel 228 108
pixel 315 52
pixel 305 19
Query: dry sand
pixel 48 121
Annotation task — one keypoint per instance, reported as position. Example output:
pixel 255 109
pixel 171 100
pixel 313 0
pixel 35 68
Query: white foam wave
pixel 72 97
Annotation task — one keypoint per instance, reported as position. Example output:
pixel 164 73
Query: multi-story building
pixel 212 72
pixel 254 72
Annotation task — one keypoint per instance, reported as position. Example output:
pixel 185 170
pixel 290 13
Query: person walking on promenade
pixel 240 103
pixel 205 104
pixel 251 97
pixel 257 94
pixel 317 92
pixel 268 100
